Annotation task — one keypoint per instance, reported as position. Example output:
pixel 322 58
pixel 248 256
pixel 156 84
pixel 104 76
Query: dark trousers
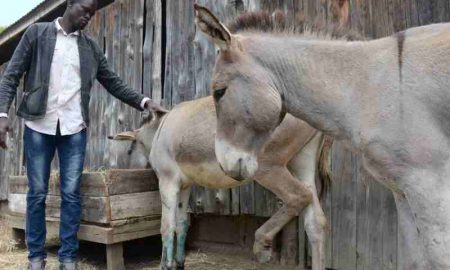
pixel 39 152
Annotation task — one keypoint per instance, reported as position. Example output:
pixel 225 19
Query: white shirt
pixel 64 92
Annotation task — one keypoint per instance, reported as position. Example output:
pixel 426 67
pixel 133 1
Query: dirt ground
pixel 140 254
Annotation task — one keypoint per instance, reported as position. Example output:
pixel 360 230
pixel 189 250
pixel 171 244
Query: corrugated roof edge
pixel 11 35
pixel 31 17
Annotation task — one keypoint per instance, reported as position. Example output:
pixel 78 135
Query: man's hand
pixel 154 107
pixel 4 128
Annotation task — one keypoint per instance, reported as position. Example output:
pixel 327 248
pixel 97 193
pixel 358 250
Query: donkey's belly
pixel 209 174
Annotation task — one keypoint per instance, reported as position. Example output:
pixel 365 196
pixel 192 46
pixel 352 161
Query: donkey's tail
pixel 324 165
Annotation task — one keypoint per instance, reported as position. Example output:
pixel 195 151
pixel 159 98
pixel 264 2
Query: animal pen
pixel 154 46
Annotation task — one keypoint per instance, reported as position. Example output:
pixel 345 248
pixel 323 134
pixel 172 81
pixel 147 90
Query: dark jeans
pixel 39 152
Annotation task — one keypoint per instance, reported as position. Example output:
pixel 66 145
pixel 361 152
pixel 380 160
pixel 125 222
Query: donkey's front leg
pixel 169 193
pixel 182 226
pixel 295 197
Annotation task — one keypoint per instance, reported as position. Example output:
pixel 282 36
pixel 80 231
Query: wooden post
pixel 289 246
pixel 114 257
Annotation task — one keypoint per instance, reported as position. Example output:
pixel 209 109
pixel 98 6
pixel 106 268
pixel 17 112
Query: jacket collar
pixel 60 29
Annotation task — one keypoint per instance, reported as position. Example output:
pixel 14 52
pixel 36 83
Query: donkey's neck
pixel 319 80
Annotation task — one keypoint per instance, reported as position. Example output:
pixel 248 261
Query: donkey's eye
pixel 218 94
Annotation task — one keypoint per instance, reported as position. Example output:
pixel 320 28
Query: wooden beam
pixel 99 234
pixel 114 257
pixel 98 184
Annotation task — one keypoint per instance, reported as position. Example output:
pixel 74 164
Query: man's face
pixel 81 12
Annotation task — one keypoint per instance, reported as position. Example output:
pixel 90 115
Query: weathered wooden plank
pixel 132 32
pixel 133 224
pixel 147 49
pixel 137 231
pixel 158 51
pixel 356 15
pixel 441 11
pixel 216 201
pixel 10 161
pixel 289 243
pixel 99 184
pixel 211 201
pixel 382 18
pixel 235 201
pixel 138 44
pixel 110 105
pixel 266 203
pixel 425 11
pixel 131 181
pixel 411 15
pixel 179 74
pixel 17 203
pixel 369 224
pixel 135 205
pixel 94 209
pixel 205 53
pixel 367 18
pixel 246 199
pixel 343 221
pixel 97 234
pixel 302 242
pixel 86 232
pixel 94 30
pixel 399 19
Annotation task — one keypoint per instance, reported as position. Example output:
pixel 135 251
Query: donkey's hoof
pixel 180 266
pixel 263 254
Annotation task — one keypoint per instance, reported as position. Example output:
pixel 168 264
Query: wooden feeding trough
pixel 117 205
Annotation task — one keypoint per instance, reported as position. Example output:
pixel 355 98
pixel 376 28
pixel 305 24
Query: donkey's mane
pixel 278 22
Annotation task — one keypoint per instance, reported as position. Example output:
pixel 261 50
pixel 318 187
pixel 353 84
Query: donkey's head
pixel 247 103
pixel 141 138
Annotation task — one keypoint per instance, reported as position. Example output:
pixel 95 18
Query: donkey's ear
pixel 211 26
pixel 124 136
pixel 157 114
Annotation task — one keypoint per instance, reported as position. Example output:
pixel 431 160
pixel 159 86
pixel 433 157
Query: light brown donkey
pixel 387 99
pixel 181 148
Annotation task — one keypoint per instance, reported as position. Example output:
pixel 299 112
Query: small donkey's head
pixel 141 138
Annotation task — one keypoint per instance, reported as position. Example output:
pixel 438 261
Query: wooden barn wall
pixel 154 47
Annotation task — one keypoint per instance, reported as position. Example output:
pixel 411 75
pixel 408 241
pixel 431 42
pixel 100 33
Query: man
pixel 61 63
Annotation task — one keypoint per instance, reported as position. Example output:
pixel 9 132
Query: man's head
pixel 79 13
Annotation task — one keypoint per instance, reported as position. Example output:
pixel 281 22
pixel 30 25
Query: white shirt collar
pixel 59 28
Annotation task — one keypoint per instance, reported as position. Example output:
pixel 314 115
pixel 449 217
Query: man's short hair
pixel 71 2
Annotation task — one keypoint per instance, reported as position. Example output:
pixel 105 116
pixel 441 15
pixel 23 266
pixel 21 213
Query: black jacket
pixel 33 56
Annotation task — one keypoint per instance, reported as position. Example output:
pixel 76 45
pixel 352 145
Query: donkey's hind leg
pixel 303 166
pixel 182 226
pixel 169 189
